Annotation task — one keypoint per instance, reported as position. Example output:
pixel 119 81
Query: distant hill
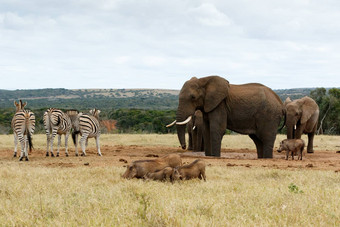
pixel 108 99
pixel 92 98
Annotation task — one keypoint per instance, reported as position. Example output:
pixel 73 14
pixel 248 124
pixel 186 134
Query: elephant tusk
pixel 294 127
pixel 193 128
pixel 184 122
pixel 171 124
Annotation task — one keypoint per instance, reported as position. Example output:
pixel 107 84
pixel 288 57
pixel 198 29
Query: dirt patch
pixel 122 155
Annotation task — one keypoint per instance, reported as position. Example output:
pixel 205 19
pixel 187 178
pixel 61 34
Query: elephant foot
pixel 310 152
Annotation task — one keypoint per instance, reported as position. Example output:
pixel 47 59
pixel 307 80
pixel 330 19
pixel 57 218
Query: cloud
pixel 207 14
pixel 133 43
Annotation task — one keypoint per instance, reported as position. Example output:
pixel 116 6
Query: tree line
pixel 151 115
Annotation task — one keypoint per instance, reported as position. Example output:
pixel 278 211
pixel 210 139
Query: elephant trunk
pixel 181 118
pixel 181 135
pixel 291 130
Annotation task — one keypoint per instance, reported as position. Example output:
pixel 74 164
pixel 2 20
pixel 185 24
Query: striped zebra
pixel 56 122
pixel 88 127
pixel 23 125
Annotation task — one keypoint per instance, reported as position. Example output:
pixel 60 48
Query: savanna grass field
pixel 240 189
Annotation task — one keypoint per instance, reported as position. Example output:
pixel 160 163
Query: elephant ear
pixel 307 111
pixel 287 101
pixel 216 90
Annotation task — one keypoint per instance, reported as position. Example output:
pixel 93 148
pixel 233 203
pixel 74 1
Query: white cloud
pixel 129 43
pixel 207 14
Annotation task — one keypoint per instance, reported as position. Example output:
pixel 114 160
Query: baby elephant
pixel 161 175
pixel 196 169
pixel 293 146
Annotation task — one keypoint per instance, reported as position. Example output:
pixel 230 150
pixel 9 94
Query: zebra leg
pixel 15 144
pixel 59 140
pixel 98 146
pixel 82 141
pixel 66 140
pixel 22 143
pixel 54 133
pixel 48 143
pixel 26 148
pixel 76 144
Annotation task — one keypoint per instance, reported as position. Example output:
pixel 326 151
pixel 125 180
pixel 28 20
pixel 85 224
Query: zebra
pixel 23 125
pixel 56 122
pixel 87 126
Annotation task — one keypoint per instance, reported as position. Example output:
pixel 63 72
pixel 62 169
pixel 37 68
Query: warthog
pixel 292 145
pixel 196 169
pixel 163 174
pixel 140 168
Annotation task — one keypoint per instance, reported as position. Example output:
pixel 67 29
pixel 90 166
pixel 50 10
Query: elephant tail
pixel 284 121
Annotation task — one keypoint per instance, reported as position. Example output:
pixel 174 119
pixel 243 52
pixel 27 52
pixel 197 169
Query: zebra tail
pixel 30 139
pixel 74 133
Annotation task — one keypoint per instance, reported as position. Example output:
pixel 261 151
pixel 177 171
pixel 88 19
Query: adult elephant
pixel 195 131
pixel 252 109
pixel 302 117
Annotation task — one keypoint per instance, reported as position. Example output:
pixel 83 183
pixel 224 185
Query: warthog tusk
pixel 171 124
pixel 294 127
pixel 193 128
pixel 184 122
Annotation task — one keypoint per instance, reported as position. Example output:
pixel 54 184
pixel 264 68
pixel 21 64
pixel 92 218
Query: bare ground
pixel 119 155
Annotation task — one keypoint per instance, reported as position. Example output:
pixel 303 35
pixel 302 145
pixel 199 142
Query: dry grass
pixel 322 142
pixel 34 195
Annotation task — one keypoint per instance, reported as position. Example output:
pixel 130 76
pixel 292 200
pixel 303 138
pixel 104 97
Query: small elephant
pixel 195 128
pixel 301 117
pixel 292 145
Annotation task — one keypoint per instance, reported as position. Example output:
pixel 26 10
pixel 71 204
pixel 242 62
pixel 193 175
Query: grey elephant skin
pixel 251 109
pixel 302 117
pixel 195 131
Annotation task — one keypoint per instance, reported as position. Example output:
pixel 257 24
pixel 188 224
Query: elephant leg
pixel 207 146
pixel 194 140
pixel 199 139
pixel 258 144
pixel 310 143
pixel 218 125
pixel 268 144
pixel 190 147
pixel 202 143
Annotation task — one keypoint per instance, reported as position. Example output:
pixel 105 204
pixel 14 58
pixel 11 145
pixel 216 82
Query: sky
pixel 77 44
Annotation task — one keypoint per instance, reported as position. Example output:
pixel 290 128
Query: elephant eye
pixel 193 97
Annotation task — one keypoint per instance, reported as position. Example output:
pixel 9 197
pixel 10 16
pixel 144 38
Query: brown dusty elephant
pixel 302 117
pixel 195 131
pixel 252 109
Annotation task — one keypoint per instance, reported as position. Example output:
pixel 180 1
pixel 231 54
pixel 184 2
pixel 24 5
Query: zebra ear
pixel 97 112
pixel 91 112
pixel 24 104
pixel 16 104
